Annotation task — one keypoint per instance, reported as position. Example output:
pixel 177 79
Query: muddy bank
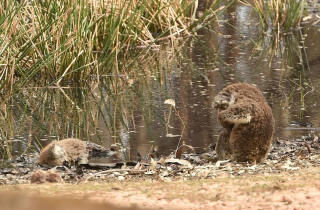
pixel 285 190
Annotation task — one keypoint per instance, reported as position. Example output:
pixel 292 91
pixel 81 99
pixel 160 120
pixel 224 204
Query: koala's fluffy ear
pixel 51 148
pixel 224 100
pixel 56 150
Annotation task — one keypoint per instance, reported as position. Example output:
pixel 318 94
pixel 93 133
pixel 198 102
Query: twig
pixel 110 171
pixel 308 147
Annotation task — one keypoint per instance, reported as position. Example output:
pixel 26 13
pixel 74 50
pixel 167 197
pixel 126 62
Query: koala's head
pixel 56 151
pixel 223 100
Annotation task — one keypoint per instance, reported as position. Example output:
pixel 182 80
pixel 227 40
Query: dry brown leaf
pixel 152 155
pixel 161 161
pixel 183 148
pixel 170 102
pixel 287 166
pixel 213 159
pixel 153 164
pixel 218 163
pixel 178 153
pixel 179 161
pixel 137 166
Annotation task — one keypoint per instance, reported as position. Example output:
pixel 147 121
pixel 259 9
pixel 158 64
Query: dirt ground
pixel 295 190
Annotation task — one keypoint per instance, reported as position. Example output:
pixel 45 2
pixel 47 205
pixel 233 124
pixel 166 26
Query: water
pixel 131 115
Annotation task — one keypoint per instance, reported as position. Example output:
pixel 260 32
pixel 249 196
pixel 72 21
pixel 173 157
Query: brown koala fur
pixel 70 150
pixel 41 176
pixel 247 122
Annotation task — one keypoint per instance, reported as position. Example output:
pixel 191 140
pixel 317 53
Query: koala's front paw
pixel 238 119
pixel 226 119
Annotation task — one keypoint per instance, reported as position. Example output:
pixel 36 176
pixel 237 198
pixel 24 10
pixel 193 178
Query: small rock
pixel 287 200
pixel 24 170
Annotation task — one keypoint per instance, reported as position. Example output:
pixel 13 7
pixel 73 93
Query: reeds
pixel 71 40
pixel 104 112
pixel 79 43
pixel 279 15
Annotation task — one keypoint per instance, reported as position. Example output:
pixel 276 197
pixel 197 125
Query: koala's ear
pixel 51 147
pixel 56 149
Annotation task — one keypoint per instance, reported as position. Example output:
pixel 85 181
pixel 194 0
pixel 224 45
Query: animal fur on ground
pixel 41 176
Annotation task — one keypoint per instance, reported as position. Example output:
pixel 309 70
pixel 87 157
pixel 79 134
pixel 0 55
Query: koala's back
pixel 249 120
pixel 74 148
pixel 57 152
pixel 252 141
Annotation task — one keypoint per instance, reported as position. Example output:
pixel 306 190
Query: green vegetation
pixel 77 67
pixel 289 48
pixel 72 40
pixel 83 43
pixel 279 15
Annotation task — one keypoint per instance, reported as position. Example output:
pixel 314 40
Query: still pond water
pixel 191 72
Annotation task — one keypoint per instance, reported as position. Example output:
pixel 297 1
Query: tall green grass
pixel 279 15
pixel 82 43
pixel 70 40
pixel 288 50
pixel 85 111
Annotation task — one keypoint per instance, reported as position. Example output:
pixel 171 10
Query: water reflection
pixel 128 111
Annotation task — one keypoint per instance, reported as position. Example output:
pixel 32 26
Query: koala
pixel 57 152
pixel 247 121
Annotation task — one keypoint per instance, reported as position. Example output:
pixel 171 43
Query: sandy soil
pixel 286 190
